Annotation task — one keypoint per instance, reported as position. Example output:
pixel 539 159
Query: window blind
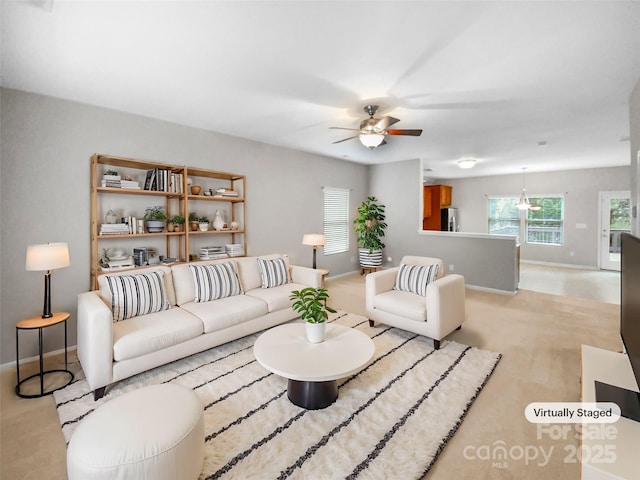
pixel 336 220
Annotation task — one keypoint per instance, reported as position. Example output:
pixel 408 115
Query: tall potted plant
pixel 311 304
pixel 370 227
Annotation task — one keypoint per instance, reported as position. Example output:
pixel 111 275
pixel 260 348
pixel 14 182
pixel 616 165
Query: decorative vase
pixel 373 259
pixel 218 223
pixel 204 226
pixel 195 189
pixel 194 225
pixel 235 225
pixel 316 332
pixel 111 217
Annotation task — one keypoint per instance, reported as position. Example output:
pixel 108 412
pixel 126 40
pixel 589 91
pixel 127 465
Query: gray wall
pixel 580 188
pixel 399 187
pixel 46 148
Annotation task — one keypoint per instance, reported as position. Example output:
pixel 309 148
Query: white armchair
pixel 435 315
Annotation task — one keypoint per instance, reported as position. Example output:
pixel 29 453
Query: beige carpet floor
pixel 538 334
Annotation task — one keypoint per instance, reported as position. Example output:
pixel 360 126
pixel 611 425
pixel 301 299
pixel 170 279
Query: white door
pixel 615 218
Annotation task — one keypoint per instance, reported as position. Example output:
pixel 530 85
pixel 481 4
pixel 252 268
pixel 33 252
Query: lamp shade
pixel 314 239
pixel 45 257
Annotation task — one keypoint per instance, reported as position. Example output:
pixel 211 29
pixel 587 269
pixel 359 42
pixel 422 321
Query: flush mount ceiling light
pixel 523 201
pixel 467 163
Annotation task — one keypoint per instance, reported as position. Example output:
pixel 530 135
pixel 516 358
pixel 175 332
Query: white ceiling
pixel 488 80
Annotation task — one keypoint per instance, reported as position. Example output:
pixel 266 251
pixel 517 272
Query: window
pixel 543 226
pixel 504 217
pixel 336 220
pixel 546 224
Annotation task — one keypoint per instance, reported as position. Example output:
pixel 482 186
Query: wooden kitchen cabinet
pixel 434 197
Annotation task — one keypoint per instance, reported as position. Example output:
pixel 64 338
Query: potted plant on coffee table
pixel 155 219
pixel 311 304
pixel 370 227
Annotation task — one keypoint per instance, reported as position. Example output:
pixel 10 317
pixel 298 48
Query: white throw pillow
pixel 415 278
pixel 273 272
pixel 214 281
pixel 133 295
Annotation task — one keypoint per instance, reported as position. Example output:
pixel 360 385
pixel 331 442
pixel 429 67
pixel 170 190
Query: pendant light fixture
pixel 523 202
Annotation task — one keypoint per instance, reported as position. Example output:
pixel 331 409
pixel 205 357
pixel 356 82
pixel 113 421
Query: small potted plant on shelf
pixel 177 221
pixel 105 255
pixel 203 223
pixel 370 227
pixel 311 304
pixel 193 221
pixel 155 219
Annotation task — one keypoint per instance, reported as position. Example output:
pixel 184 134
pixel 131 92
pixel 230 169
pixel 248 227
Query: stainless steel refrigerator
pixel 449 219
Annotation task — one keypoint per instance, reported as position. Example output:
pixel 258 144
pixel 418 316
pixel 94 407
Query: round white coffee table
pixel 313 368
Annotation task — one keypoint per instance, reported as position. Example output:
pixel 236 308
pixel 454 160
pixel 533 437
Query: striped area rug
pixel 391 420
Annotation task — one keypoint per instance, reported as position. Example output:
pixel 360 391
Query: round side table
pixel 39 323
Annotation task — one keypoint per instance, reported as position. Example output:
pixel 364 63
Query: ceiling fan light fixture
pixel 371 140
pixel 467 163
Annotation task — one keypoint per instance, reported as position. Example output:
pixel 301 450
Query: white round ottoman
pixel 153 433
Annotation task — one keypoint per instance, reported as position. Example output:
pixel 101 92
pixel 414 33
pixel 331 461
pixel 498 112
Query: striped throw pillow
pixel 273 272
pixel 215 281
pixel 134 295
pixel 415 278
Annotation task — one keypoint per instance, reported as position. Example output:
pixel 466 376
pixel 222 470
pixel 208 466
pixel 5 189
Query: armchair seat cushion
pixel 404 304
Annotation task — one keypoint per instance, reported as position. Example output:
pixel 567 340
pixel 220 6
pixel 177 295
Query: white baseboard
pixel 491 290
pixel 36 358
pixel 561 265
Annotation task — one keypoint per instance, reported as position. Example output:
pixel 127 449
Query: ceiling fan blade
pixel 414 133
pixel 343 128
pixel 386 122
pixel 345 139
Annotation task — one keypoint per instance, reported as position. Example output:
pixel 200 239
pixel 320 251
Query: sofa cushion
pixel 135 295
pixel 226 312
pixel 273 272
pixel 105 293
pixel 404 304
pixel 215 281
pixel 415 278
pixel 276 298
pixel 149 333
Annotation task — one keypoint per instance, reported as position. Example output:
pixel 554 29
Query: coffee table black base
pixel 312 395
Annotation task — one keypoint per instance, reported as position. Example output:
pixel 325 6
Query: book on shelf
pixel 114 229
pixel 163 180
pixel 226 192
pixel 129 184
pixel 121 263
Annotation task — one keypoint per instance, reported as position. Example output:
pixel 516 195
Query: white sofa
pixel 435 315
pixel 110 350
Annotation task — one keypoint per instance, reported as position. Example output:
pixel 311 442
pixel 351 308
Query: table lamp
pixel 45 258
pixel 315 240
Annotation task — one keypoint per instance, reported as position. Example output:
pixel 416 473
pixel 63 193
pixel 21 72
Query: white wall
pixel 46 148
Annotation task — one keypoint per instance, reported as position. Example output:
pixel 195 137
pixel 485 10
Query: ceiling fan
pixel 373 130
